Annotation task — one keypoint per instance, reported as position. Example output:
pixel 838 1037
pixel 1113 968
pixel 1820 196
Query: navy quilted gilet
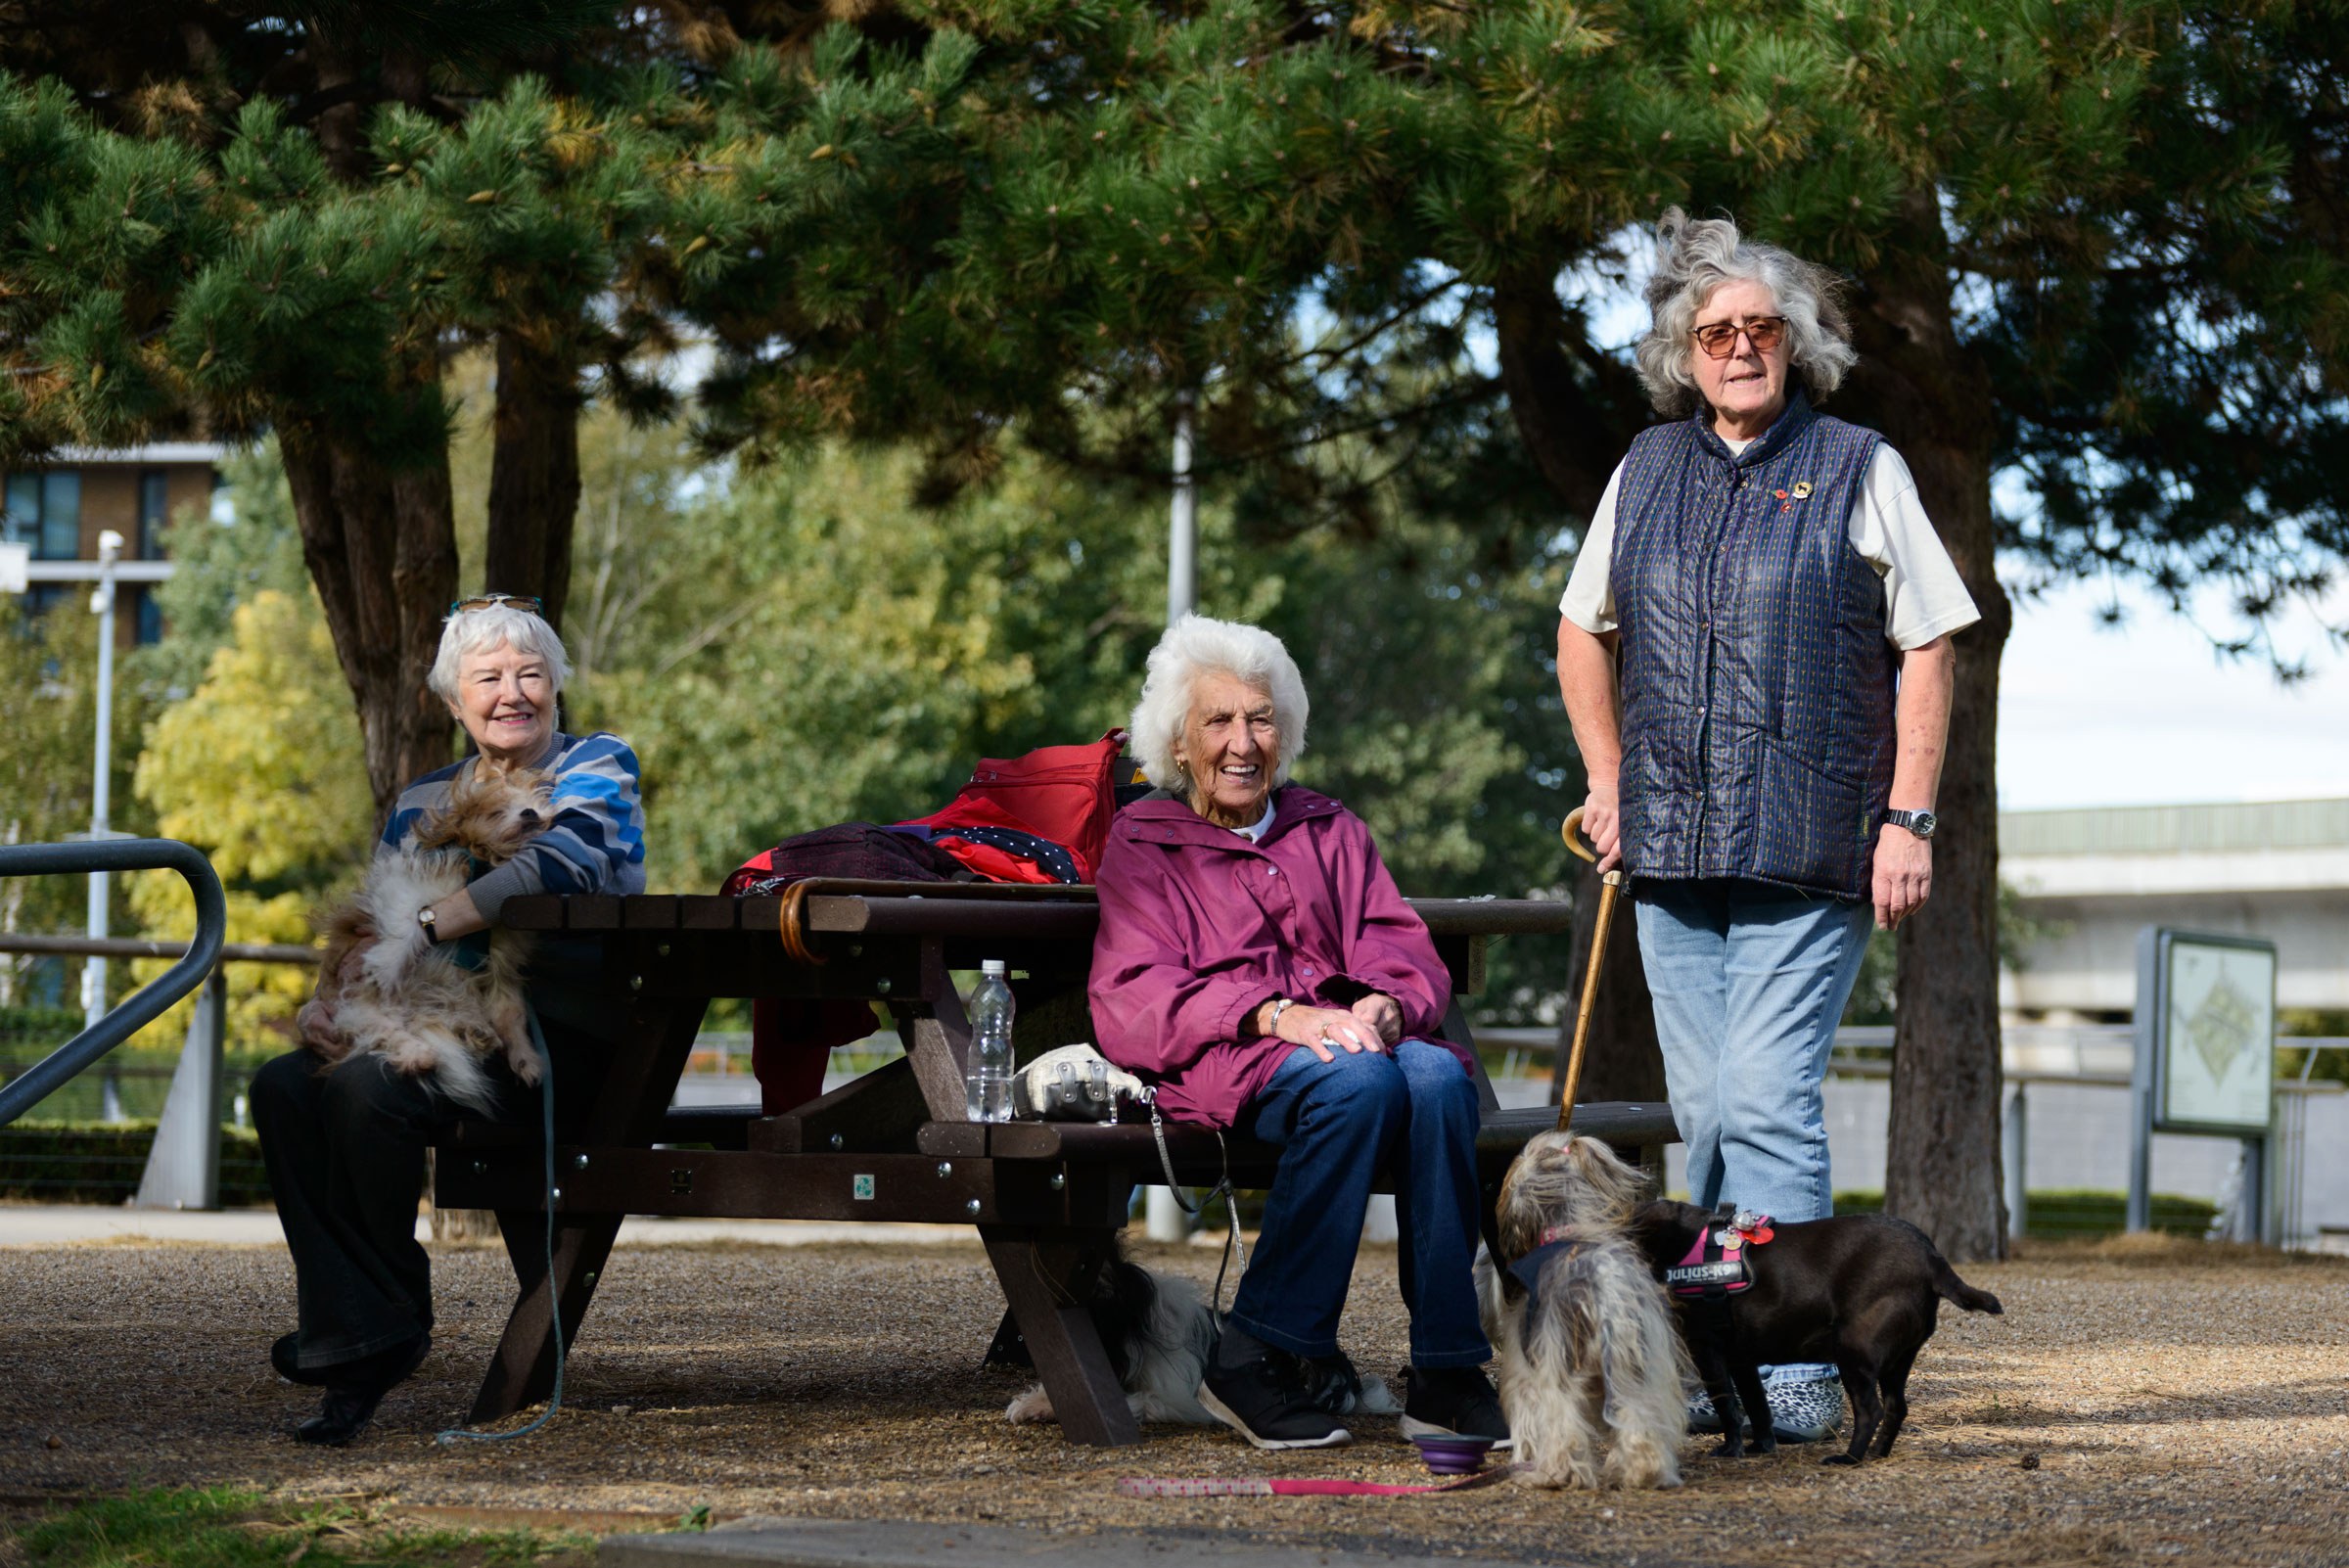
pixel 1757 681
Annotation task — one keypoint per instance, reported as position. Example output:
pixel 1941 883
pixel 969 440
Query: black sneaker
pixel 1269 1400
pixel 1454 1401
pixel 356 1389
pixel 1332 1383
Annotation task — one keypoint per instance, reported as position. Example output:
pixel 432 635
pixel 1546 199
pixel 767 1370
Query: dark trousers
pixel 1337 1124
pixel 344 1147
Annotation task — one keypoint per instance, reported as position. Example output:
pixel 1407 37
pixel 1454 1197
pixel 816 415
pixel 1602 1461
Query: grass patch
pixel 225 1528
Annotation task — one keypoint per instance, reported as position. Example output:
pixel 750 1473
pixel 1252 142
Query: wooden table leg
pixel 1048 1284
pixel 522 1372
pixel 641 1078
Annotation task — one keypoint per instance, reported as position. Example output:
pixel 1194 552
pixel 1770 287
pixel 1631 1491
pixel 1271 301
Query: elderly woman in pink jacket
pixel 1257 964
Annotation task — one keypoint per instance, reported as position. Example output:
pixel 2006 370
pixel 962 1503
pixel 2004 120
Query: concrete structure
pixel 2095 878
pixel 59 508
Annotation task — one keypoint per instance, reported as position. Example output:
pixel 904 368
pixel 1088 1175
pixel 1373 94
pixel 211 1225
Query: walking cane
pixel 1609 885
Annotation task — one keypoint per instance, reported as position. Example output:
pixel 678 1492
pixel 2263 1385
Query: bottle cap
pixel 992 966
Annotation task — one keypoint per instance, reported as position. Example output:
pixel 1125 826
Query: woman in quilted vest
pixel 1256 963
pixel 1754 653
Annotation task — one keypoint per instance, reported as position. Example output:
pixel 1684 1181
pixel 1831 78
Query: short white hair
pixel 1196 646
pixel 497 625
pixel 1695 257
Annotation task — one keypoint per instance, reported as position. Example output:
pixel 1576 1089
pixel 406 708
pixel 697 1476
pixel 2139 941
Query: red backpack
pixel 1041 817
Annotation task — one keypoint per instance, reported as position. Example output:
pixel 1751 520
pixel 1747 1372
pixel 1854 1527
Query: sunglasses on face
pixel 520 600
pixel 1719 340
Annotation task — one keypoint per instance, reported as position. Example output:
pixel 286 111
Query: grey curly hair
pixel 1196 646
pixel 1695 257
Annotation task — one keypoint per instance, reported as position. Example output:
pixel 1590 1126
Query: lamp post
pixel 1182 530
pixel 1163 1217
pixel 101 604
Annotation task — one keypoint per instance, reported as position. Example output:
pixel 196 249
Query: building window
pixel 146 617
pixel 155 515
pixel 44 510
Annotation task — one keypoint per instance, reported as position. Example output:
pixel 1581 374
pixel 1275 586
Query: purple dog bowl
pixel 1453 1455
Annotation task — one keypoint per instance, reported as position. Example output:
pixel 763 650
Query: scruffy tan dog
pixel 383 988
pixel 1591 1370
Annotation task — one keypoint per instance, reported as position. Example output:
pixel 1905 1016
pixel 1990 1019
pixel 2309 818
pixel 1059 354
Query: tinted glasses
pixel 520 600
pixel 1719 340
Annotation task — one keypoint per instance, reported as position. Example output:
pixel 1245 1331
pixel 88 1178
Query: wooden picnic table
pixel 894 1145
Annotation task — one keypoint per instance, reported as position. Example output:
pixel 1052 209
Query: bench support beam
pixel 1049 1285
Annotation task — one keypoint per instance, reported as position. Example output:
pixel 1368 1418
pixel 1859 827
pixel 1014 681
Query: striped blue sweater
pixel 596 844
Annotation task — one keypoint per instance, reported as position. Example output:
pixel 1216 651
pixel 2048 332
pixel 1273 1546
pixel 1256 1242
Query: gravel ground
pixel 2139 1400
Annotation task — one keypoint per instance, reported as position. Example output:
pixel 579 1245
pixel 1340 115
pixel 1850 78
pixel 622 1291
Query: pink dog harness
pixel 1716 1263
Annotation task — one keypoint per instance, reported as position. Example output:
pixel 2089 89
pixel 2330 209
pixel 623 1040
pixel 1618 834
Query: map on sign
pixel 2220 1053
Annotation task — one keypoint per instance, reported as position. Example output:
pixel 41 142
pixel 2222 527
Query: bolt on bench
pixel 894 1145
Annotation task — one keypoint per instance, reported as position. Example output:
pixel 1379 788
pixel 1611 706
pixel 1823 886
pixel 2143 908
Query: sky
pixel 2146 712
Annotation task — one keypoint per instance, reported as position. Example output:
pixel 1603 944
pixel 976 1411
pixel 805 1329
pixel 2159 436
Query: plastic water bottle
pixel 988 1076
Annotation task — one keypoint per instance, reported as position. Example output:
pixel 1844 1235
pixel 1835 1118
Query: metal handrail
pixel 51 1074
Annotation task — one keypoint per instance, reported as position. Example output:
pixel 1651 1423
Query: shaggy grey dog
pixel 1591 1370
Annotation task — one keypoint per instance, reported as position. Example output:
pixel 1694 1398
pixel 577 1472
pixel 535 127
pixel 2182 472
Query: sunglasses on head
pixel 1720 339
pixel 520 600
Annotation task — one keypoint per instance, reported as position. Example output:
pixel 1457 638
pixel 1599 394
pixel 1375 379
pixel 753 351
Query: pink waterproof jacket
pixel 1199 928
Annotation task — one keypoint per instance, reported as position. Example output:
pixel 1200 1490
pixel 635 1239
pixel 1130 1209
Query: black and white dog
pixel 1160 1334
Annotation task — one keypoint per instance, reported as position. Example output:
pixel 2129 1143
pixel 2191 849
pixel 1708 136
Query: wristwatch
pixel 1920 823
pixel 1280 1005
pixel 432 933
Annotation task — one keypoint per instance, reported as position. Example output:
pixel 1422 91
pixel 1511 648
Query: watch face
pixel 1922 823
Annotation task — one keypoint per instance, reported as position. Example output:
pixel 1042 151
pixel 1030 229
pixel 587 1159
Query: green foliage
pixel 220 565
pixel 223 1527
pixel 807 646
pixel 101 1162
pixel 260 769
pixel 141 1072
pixel 48 714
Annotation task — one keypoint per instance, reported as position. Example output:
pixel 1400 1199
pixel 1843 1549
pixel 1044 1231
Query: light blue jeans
pixel 1749 981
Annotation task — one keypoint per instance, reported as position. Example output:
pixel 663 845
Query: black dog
pixel 1861 1291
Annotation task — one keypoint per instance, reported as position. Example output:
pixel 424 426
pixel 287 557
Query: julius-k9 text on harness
pixel 1716 1263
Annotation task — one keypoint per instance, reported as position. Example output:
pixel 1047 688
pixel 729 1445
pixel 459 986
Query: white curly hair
pixel 1695 257
pixel 1196 646
pixel 496 625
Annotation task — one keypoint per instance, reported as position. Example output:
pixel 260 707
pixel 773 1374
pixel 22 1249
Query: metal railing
pixel 144 1007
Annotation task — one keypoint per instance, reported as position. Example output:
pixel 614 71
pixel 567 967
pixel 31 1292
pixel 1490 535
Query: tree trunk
pixel 1630 1064
pixel 534 474
pixel 381 547
pixel 1577 411
pixel 1933 401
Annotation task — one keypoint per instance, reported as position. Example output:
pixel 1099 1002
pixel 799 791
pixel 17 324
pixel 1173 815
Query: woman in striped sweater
pixel 345 1145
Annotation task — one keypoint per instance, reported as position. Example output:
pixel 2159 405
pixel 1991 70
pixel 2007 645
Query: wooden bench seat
pixel 1201 1159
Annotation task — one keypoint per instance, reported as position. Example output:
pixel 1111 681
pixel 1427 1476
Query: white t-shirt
pixel 1255 831
pixel 1923 596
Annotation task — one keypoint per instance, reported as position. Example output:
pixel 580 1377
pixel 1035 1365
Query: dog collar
pixel 1558 1241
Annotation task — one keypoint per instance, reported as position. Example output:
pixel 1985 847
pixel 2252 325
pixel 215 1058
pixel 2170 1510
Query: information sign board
pixel 2214 1034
